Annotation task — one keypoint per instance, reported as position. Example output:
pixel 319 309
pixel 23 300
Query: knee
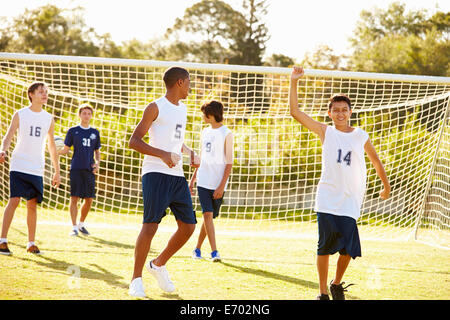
pixel 188 228
pixel 14 202
pixel 208 216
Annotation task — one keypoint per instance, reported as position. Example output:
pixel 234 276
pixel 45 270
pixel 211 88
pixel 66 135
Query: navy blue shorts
pixel 26 186
pixel 162 191
pixel 208 203
pixel 82 184
pixel 338 234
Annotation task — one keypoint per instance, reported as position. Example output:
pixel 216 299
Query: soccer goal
pixel 277 163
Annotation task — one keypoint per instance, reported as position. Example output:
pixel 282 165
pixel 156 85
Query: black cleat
pixel 4 249
pixel 337 290
pixel 84 231
pixel 323 297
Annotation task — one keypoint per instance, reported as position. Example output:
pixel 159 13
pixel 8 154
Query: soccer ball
pixel 59 142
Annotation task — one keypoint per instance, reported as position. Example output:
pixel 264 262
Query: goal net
pixel 277 162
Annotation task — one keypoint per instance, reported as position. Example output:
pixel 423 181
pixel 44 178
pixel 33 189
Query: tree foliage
pixel 52 30
pixel 397 41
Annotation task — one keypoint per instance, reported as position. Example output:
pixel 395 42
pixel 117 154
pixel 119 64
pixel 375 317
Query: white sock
pixel 75 228
pixel 81 225
pixel 3 240
pixel 154 266
pixel 31 243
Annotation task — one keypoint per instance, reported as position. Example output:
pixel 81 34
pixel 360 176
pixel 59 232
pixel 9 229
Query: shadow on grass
pixel 64 267
pixel 280 277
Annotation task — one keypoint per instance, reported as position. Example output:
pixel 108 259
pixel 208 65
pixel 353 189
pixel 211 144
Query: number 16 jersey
pixel 342 183
pixel 167 133
pixel 28 155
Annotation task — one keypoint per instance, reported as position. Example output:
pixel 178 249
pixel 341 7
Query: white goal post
pixel 277 162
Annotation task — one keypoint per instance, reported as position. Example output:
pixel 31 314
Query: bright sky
pixel 295 26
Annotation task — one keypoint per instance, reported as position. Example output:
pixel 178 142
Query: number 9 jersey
pixel 28 155
pixel 167 133
pixel 342 183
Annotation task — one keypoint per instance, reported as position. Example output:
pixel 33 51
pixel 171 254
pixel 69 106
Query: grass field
pixel 253 267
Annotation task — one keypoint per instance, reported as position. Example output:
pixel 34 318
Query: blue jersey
pixel 84 141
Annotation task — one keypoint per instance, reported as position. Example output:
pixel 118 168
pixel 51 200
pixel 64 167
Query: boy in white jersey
pixel 215 168
pixel 341 187
pixel 163 181
pixel 27 162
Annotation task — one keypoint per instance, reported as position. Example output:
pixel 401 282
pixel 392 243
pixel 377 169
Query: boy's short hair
pixel 213 108
pixel 339 97
pixel 173 74
pixel 85 106
pixel 34 86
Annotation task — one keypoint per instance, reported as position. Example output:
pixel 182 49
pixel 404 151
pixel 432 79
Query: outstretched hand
pixel 2 156
pixel 384 194
pixel 297 73
pixel 171 159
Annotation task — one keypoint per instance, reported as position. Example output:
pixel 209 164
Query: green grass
pixel 254 267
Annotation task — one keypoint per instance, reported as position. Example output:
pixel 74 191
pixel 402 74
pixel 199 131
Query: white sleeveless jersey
pixel 342 184
pixel 29 154
pixel 167 133
pixel 213 161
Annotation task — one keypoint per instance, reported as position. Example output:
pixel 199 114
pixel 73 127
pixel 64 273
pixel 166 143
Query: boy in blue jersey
pixel 86 145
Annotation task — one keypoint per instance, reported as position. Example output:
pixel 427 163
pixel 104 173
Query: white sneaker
pixel 161 274
pixel 137 288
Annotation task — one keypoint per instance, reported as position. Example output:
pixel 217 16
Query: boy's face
pixel 185 85
pixel 207 119
pixel 340 113
pixel 40 95
pixel 86 115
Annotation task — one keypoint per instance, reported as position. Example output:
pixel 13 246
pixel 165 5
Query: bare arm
pixel 136 142
pixel 63 151
pixel 218 193
pixel 311 124
pixel 53 155
pixel 379 168
pixel 96 165
pixel 194 158
pixel 193 179
pixel 6 143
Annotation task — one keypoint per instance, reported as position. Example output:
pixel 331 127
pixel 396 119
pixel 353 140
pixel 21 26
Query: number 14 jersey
pixel 342 183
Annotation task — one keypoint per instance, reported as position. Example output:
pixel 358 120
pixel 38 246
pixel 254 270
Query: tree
pixel 217 33
pixel 324 58
pixel 279 60
pixel 252 35
pixel 51 30
pixel 396 41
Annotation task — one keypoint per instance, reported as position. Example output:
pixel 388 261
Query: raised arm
pixel 379 168
pixel 150 114
pixel 6 143
pixel 311 124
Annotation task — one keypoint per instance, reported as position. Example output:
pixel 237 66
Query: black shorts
pixel 338 234
pixel 162 191
pixel 208 203
pixel 82 184
pixel 27 186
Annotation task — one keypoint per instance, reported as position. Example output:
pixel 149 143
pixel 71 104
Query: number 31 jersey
pixel 342 183
pixel 167 133
pixel 84 141
pixel 29 154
